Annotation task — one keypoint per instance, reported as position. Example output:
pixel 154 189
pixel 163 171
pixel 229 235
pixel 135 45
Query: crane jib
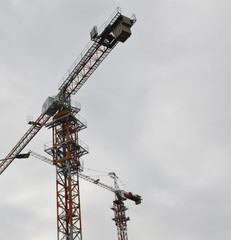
pixel 83 70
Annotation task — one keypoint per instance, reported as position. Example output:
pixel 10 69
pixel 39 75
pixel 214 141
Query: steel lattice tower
pixel 120 219
pixel 66 151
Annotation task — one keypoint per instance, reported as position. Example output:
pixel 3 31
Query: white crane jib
pixel 120 194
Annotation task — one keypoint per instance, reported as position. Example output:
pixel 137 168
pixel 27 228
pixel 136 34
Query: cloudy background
pixel 158 113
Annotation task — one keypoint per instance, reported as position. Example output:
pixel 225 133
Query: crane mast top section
pixel 120 194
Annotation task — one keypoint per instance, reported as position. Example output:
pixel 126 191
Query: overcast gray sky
pixel 158 113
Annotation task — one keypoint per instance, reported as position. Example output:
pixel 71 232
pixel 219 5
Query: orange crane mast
pixel 66 148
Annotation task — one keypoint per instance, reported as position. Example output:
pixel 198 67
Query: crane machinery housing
pixel 59 115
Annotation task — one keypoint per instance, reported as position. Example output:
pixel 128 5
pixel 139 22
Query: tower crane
pixel 118 208
pixel 59 114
